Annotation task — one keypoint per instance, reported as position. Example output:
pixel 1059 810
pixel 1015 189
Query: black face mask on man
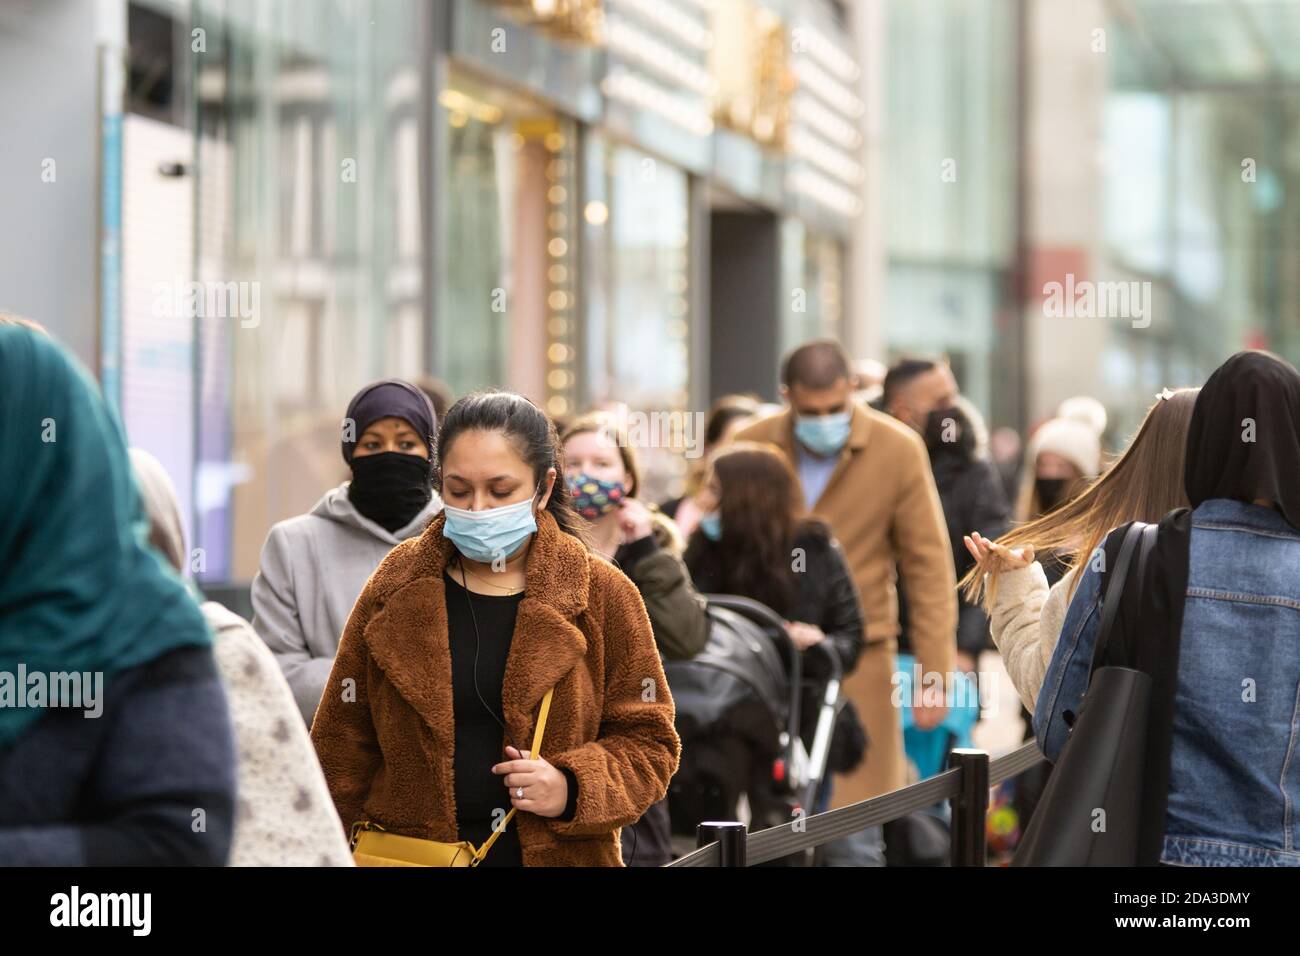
pixel 946 431
pixel 390 488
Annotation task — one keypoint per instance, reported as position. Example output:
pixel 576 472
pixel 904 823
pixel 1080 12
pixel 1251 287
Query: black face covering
pixel 1050 492
pixel 390 488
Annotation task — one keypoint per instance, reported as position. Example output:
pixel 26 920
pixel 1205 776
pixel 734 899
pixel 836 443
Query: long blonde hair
pixel 1144 484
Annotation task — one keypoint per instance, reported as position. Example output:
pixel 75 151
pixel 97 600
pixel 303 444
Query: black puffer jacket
pixel 824 595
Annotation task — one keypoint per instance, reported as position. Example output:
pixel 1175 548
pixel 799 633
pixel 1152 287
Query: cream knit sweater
pixel 1026 624
pixel 285 814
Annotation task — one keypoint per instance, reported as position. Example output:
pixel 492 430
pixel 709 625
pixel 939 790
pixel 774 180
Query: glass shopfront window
pixel 951 105
pixel 812 280
pixel 308 242
pixel 507 306
pixel 637 291
pixel 637 214
pixel 1200 170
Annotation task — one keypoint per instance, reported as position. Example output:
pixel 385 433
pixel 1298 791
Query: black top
pixel 480 738
pixel 630 552
pixel 479 735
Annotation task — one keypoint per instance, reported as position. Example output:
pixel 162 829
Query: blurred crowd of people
pixel 463 644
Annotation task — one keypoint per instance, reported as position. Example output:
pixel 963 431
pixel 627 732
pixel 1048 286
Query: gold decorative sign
pixel 577 20
pixel 750 64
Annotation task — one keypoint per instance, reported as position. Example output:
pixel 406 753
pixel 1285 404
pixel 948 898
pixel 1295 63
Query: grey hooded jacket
pixel 312 570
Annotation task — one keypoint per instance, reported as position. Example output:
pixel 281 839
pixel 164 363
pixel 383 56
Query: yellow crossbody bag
pixel 372 845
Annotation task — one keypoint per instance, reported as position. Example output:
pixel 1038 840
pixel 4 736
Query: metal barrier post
pixel 731 837
pixel 970 807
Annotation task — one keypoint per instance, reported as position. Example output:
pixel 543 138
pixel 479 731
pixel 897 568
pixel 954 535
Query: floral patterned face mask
pixel 595 497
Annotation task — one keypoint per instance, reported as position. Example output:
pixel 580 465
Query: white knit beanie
pixel 1085 409
pixel 1074 441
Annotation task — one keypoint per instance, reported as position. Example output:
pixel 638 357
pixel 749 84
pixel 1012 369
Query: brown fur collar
pixel 411 610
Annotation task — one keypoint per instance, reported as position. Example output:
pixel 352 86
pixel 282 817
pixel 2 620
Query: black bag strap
pixel 1115 587
pixel 1146 545
pixel 1149 533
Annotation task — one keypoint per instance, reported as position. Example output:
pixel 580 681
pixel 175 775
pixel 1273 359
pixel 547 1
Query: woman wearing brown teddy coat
pixel 456 639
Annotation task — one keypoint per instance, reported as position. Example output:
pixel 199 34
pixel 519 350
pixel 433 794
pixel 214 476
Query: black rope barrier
pixel 966 784
pixel 1015 763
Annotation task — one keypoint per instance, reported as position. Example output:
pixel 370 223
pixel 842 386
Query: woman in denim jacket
pixel 1233 767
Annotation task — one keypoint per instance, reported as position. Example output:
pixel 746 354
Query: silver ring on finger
pixel 519 793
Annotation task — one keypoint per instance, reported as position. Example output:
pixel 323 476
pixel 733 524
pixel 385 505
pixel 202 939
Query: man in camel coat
pixel 868 476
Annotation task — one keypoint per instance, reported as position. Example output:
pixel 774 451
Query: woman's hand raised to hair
pixel 988 553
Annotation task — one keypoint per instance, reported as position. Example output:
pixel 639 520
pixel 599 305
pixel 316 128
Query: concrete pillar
pixel 49 123
pixel 867 255
pixel 1064 180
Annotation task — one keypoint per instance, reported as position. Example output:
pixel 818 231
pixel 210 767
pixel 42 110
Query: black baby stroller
pixel 743 706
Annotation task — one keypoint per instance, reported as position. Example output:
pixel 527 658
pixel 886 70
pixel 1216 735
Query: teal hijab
pixel 80 588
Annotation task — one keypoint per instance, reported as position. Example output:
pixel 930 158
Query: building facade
pixel 597 203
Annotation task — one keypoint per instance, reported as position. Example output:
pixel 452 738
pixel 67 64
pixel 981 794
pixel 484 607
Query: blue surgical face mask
pixel 711 525
pixel 492 534
pixel 822 435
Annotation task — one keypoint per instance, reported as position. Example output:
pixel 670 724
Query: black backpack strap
pixel 1115 589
